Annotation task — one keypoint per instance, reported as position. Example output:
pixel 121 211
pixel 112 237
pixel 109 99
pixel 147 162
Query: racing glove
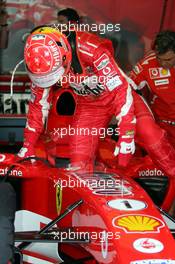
pixel 26 151
pixel 125 148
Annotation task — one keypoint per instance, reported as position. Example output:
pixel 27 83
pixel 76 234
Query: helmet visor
pixel 47 80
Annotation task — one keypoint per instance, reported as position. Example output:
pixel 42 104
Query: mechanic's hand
pixel 26 151
pixel 125 148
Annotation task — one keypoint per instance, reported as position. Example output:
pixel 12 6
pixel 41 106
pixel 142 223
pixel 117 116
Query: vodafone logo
pixel 148 245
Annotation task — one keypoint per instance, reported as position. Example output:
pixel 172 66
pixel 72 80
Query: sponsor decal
pixel 58 198
pixel 127 204
pixel 158 73
pixel 154 73
pixel 108 70
pixel 38 37
pixel 148 245
pixel 101 62
pixel 138 223
pixel 161 82
pixel 164 72
pixel 13 172
pixel 153 261
pixel 148 172
pixel 89 85
pixel 113 83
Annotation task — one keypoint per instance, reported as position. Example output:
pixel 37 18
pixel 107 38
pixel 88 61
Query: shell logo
pixel 164 72
pixel 138 223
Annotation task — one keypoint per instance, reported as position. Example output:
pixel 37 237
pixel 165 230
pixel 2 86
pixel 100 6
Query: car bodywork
pixel 99 217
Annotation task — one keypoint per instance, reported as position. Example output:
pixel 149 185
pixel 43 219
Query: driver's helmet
pixel 47 55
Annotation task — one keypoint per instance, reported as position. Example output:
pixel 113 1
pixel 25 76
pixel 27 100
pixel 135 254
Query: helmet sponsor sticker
pixel 38 37
pixel 127 204
pixel 138 223
pixel 148 245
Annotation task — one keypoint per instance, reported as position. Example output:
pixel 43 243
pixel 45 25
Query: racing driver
pixel 103 90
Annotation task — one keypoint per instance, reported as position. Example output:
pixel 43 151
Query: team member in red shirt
pixel 157 72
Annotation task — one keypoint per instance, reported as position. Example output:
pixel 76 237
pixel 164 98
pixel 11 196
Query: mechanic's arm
pixel 116 82
pixel 39 106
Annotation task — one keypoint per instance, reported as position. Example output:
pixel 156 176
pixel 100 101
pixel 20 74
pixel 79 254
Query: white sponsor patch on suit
pixel 158 73
pixel 161 82
pixel 113 83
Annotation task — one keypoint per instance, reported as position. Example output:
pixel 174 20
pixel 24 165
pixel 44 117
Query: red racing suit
pixel 161 85
pixel 103 91
pixel 97 102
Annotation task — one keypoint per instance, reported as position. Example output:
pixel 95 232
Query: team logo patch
pixel 101 62
pixel 138 223
pixel 159 73
pixel 148 245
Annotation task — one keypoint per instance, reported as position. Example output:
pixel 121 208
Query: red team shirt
pixel 161 83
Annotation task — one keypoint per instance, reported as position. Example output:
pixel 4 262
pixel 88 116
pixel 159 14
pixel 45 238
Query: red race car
pixel 100 217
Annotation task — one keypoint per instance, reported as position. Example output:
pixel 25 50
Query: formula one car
pixel 100 217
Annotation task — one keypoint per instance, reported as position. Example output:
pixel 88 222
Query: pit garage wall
pixel 139 21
